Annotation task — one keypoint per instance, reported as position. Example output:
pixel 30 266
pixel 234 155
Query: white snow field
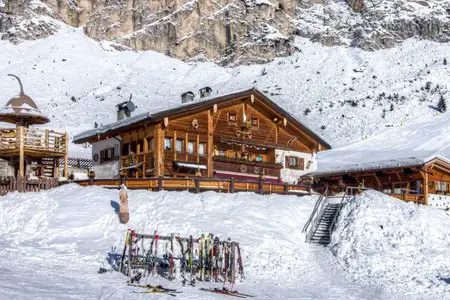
pixel 52 244
pixel 77 81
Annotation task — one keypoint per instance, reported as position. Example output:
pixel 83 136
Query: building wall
pixel 292 175
pixel 109 169
pixel 439 201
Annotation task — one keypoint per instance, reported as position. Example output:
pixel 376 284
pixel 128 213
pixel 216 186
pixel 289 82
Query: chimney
pixel 205 92
pixel 125 109
pixel 187 97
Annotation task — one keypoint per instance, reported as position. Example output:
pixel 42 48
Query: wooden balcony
pixel 36 142
pixel 245 168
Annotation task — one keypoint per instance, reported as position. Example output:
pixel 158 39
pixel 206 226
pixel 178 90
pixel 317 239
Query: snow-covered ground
pixel 52 244
pixel 386 242
pixel 342 93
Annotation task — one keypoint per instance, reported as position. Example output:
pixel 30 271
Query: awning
pixel 190 166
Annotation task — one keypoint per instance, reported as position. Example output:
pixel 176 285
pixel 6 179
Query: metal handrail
pixel 315 215
pixel 305 227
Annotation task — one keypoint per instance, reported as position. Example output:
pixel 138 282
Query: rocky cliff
pixel 229 31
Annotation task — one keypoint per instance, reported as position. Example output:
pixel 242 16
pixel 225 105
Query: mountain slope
pixel 342 93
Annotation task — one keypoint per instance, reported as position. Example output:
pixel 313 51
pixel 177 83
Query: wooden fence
pixel 198 185
pixel 416 198
pixel 11 184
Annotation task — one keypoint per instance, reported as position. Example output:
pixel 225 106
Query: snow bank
pixel 384 241
pixel 52 243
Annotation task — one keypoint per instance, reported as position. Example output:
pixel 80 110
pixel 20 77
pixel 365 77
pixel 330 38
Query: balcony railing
pixel 40 140
pixel 416 198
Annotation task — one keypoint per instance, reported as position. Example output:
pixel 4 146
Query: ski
pixel 156 289
pixel 157 292
pixel 239 260
pixel 124 251
pixel 227 292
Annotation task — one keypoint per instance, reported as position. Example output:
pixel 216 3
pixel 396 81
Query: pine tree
pixel 442 105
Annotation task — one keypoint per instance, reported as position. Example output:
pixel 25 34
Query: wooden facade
pixel 426 183
pixel 239 135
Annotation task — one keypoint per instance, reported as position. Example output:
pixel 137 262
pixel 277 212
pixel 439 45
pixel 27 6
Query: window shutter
pixel 301 163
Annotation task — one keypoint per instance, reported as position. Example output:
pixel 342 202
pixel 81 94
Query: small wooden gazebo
pixel 30 151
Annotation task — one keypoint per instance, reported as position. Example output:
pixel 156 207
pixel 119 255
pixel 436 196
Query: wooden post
pixel 158 153
pixel 232 185
pixel 66 156
pixel 174 145
pixel 46 139
pixel 260 185
pixel 186 143
pixel 198 145
pixel 160 186
pixel 286 188
pixel 197 185
pixel 209 151
pixel 276 133
pixel 21 152
pixel 425 186
pixel 56 167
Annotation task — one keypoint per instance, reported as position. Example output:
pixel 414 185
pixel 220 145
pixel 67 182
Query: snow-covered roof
pixel 413 145
pixel 112 126
pixel 159 114
pixel 22 108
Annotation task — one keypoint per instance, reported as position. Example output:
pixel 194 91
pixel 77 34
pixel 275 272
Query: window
pixel 125 149
pixel 151 143
pixel 133 146
pixel 441 186
pixel 167 143
pixel 259 158
pixel 232 117
pixel 107 155
pixel 255 122
pixel 191 147
pixel 222 153
pixel 179 145
pixel 294 162
pixel 202 149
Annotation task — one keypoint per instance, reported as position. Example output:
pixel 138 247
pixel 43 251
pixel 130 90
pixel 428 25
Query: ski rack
pixel 204 258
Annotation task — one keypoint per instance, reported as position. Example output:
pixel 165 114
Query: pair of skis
pixel 156 289
pixel 227 292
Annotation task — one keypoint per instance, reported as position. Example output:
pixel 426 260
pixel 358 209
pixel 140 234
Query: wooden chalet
pixel 241 135
pixel 425 181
